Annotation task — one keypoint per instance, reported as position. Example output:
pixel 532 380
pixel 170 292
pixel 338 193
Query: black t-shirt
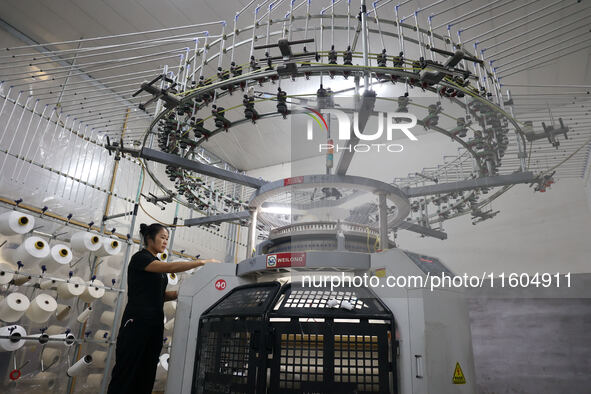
pixel 145 290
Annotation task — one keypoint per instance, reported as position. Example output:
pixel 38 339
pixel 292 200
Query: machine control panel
pixel 428 264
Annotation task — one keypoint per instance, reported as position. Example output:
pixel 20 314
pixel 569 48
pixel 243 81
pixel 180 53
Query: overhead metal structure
pixel 220 76
pixel 444 68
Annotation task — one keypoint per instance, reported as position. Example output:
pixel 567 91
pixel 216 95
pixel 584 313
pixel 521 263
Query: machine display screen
pixel 429 264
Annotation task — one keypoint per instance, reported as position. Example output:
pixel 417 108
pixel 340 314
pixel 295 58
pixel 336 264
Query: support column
pixel 252 231
pixel 173 231
pixel 364 43
pixel 123 287
pixel 82 328
pixel 383 210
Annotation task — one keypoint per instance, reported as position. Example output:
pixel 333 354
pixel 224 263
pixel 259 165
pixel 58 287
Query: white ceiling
pixel 254 146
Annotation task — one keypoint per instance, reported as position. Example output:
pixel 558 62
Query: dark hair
pixel 150 232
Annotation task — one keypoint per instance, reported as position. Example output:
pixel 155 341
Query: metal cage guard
pixel 289 339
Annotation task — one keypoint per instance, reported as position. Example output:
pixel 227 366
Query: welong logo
pixel 394 122
pixel 271 260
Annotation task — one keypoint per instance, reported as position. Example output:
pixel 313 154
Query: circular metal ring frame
pixel 392 193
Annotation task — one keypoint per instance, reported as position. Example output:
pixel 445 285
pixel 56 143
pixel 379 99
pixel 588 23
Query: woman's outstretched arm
pixel 176 266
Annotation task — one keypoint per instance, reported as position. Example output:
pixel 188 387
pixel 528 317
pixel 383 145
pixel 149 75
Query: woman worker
pixel 142 326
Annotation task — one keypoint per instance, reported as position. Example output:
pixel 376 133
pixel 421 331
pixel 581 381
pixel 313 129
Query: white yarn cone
pixel 169 325
pixel 110 298
pixel 6 273
pixel 103 336
pixel 13 222
pixel 30 252
pixel 170 308
pixel 41 308
pixel 84 315
pixel 20 280
pixel 94 379
pixel 48 284
pixel 59 256
pixel 107 318
pixel 54 329
pixel 163 256
pixel 73 288
pixel 163 360
pixel 62 311
pixel 84 241
pixel 92 292
pixel 109 247
pixel 80 367
pixel 10 344
pixel 173 279
pixel 99 357
pixel 13 307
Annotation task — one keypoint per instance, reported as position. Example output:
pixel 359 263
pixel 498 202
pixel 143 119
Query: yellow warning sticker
pixel 380 273
pixel 459 377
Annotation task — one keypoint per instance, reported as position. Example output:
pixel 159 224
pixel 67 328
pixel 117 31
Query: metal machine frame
pixel 431 331
pixel 248 343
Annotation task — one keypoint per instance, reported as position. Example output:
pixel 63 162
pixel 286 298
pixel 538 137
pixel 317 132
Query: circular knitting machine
pixel 267 331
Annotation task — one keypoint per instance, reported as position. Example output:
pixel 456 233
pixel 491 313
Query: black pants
pixel 138 347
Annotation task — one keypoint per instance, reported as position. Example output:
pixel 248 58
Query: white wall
pixel 588 183
pixel 534 232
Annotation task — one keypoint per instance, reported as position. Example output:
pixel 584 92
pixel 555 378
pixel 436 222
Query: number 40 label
pixel 220 284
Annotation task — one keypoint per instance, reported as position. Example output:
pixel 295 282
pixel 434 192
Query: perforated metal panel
pixel 208 352
pixel 356 361
pixel 316 302
pixel 301 360
pixel 232 333
pixel 332 357
pixel 296 342
pixel 229 356
pixel 249 300
pixel 319 299
pixel 234 355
